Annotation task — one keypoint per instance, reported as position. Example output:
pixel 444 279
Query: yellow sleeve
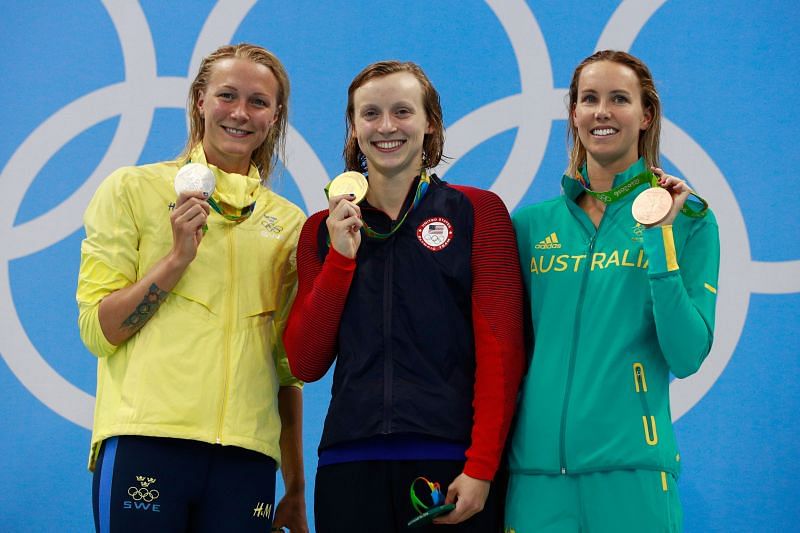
pixel 109 257
pixel 288 291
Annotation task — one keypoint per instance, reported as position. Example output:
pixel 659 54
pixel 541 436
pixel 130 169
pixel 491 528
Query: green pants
pixel 621 501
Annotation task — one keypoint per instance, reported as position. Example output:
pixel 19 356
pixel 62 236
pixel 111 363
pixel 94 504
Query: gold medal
pixel 349 183
pixel 652 206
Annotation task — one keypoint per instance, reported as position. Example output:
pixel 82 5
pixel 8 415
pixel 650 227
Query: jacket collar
pixel 573 188
pixel 234 190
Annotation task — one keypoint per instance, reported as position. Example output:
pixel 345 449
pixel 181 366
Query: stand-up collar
pixel 573 188
pixel 235 190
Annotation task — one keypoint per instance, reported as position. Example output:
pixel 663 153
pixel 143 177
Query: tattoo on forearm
pixel 146 308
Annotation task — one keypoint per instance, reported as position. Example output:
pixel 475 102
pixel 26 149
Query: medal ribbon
pixel 436 496
pixel 244 212
pixel 422 188
pixel 624 189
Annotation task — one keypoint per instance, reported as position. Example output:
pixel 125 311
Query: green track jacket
pixel 614 311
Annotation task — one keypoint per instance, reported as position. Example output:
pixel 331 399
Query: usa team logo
pixel 435 233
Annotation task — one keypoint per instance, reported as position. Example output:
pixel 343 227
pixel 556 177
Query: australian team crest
pixel 435 233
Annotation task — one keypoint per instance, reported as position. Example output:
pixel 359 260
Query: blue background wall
pixel 89 86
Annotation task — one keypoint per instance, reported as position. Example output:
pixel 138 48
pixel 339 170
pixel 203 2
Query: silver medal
pixel 195 177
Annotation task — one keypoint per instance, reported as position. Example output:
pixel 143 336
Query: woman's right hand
pixel 677 188
pixel 344 224
pixel 187 220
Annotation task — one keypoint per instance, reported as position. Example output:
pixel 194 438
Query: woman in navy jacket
pixel 416 293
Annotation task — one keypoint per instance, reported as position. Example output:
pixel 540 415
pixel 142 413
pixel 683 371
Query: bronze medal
pixel 652 206
pixel 349 183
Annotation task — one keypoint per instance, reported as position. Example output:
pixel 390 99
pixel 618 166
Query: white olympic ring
pixel 531 112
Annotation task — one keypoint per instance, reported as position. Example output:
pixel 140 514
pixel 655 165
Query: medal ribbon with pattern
pixel 422 188
pixel 436 496
pixel 244 213
pixel 648 177
pixel 427 512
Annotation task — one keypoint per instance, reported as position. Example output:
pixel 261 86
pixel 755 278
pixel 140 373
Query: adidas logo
pixel 550 242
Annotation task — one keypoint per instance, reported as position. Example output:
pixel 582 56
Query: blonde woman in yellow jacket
pixel 183 299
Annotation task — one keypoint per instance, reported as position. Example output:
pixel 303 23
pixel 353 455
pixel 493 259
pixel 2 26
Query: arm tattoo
pixel 146 308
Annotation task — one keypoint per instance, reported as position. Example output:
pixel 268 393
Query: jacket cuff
pixel 92 333
pixel 659 245
pixel 475 468
pixel 340 261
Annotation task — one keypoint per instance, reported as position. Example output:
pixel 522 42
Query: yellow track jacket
pixel 208 364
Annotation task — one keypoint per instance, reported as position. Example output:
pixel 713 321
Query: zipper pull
pixel 638 377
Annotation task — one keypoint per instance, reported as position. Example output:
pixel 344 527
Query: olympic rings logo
pixel 143 494
pixel 531 112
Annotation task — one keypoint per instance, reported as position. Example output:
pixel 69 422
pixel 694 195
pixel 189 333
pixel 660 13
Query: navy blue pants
pixel 171 485
pixel 373 496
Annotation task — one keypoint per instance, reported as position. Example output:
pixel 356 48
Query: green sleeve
pixel 683 286
pixel 520 222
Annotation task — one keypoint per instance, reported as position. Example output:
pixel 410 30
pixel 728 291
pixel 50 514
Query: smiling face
pixel 609 115
pixel 238 107
pixel 390 124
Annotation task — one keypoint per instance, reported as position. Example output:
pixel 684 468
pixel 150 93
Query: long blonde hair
pixel 649 139
pixel 273 148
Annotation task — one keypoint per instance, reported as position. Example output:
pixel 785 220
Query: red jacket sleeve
pixel 322 287
pixel 497 317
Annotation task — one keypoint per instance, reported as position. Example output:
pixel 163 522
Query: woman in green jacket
pixel 616 306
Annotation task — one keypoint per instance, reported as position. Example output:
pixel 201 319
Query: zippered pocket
pixel 648 420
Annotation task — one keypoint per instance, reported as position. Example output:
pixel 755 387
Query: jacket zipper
pixel 573 353
pixel 388 369
pixel 228 328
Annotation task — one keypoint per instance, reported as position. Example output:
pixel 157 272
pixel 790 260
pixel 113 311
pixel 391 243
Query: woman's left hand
pixel 291 513
pixel 679 190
